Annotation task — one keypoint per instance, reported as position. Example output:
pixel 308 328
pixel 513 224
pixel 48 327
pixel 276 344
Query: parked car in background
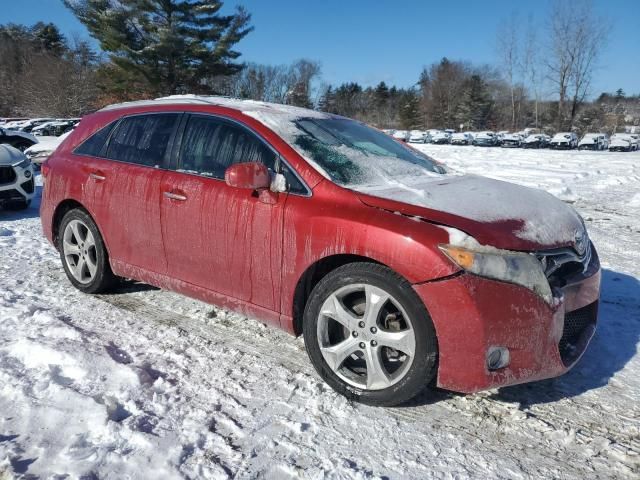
pixel 56 128
pixel 461 139
pixel 594 141
pixel 17 186
pixel 485 139
pixel 500 135
pixel 30 124
pixel 432 133
pixel 40 152
pixel 441 138
pixel 301 222
pixel 417 136
pixel 624 142
pixel 401 135
pixel 17 139
pixel 511 140
pixel 388 131
pixel 564 140
pixel 536 140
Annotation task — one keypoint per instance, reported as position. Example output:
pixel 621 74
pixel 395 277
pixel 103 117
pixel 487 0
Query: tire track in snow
pixel 459 414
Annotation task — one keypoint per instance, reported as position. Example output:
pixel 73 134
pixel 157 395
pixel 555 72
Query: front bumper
pixel 472 314
pixel 16 184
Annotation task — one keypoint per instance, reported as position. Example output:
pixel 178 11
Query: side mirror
pixel 251 175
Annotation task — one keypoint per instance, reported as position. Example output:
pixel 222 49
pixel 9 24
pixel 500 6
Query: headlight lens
pixel 513 267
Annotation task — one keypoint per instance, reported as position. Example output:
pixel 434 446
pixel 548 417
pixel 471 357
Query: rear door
pixel 221 238
pixel 123 185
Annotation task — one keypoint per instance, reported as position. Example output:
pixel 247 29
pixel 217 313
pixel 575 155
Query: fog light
pixel 497 357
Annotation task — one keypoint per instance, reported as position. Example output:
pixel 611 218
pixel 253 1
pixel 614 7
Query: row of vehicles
pixel 619 142
pixel 49 127
pixel 36 137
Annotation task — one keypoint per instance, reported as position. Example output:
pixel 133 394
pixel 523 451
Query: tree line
pixel 149 48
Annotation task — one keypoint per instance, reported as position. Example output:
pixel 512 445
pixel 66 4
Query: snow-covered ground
pixel 148 384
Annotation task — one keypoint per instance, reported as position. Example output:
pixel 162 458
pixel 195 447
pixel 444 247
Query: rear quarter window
pixel 94 145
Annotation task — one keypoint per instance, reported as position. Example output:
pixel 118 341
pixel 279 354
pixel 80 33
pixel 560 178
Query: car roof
pixel 245 106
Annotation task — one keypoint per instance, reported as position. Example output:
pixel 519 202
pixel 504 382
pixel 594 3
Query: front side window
pixel 210 145
pixel 353 154
pixel 142 139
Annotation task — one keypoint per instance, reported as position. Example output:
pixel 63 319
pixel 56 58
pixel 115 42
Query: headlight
pixel 23 164
pixel 513 267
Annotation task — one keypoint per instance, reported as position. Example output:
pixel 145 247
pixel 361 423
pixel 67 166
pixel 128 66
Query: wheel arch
pixel 314 274
pixel 61 209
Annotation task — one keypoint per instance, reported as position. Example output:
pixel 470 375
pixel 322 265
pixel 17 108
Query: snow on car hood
pixel 620 142
pixel 496 213
pixel 10 155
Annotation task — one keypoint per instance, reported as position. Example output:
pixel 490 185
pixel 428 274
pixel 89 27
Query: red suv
pixel 396 271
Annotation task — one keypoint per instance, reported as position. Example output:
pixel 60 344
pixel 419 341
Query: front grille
pixel 28 186
pixel 563 263
pixel 578 328
pixel 7 175
pixel 9 194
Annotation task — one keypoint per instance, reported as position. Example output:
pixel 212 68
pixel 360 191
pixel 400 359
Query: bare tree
pixel 531 67
pixel 577 36
pixel 508 46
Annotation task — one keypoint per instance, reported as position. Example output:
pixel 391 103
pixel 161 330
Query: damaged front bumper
pixel 473 316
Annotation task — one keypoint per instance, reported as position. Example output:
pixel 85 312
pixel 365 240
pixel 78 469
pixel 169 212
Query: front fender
pixel 331 223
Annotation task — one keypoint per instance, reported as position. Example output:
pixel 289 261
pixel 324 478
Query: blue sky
pixel 369 41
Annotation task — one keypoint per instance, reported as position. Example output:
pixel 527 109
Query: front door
pixel 221 238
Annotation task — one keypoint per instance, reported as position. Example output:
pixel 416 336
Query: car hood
pixel 496 213
pixel 10 156
pixel 622 142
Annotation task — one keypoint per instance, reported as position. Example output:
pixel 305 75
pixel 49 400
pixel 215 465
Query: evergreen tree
pixel 620 94
pixel 49 37
pixel 409 114
pixel 474 109
pixel 168 46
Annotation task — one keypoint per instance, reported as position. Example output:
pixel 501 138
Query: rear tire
pixel 83 254
pixel 369 336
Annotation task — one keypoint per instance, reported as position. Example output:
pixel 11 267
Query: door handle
pixel 97 176
pixel 175 196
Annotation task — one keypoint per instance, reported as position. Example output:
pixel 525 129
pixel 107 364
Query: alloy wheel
pixel 80 253
pixel 366 337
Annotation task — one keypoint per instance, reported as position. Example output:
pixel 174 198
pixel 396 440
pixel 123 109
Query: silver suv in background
pixel 17 186
pixel 594 141
pixel 564 140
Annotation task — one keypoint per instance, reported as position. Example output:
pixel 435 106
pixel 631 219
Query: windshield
pixel 353 154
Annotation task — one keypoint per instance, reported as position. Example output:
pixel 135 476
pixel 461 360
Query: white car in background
pixel 536 140
pixel 417 136
pixel 594 141
pixel 624 142
pixel 17 186
pixel 39 152
pixel 401 135
pixel 486 139
pixel 461 139
pixel 511 140
pixel 441 138
pixel 564 140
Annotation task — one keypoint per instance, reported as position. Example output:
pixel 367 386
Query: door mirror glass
pixel 251 175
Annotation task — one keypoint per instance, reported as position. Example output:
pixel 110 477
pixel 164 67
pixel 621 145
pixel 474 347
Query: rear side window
pixel 94 144
pixel 142 139
pixel 210 145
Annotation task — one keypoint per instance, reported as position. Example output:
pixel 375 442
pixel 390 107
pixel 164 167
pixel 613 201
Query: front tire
pixel 83 254
pixel 369 336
